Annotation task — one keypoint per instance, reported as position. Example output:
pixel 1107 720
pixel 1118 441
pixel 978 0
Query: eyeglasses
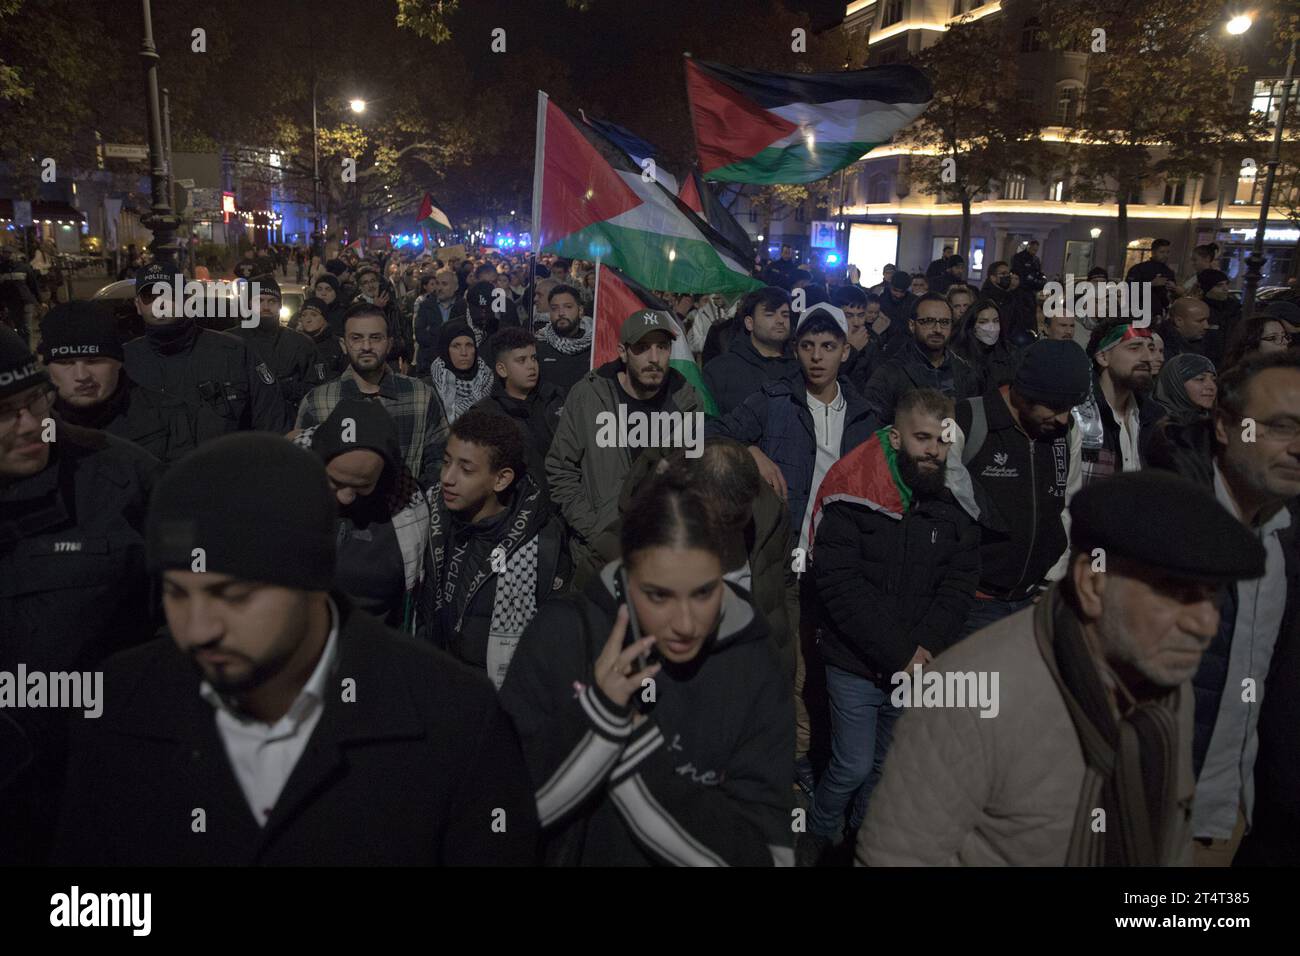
pixel 1278 338
pixel 38 406
pixel 929 323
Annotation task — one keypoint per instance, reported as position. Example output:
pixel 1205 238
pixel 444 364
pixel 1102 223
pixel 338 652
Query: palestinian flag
pixel 690 189
pixel 770 128
pixel 868 476
pixel 591 202
pixel 431 217
pixel 617 297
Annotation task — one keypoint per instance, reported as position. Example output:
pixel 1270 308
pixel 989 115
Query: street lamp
pixel 1095 232
pixel 357 105
pixel 161 221
pixel 1255 261
pixel 1239 24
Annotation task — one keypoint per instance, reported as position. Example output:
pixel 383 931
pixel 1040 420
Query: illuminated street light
pixel 358 105
pixel 1239 24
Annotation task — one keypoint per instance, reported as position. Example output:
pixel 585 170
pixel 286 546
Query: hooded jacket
pixel 1015 489
pixel 777 420
pixel 735 375
pixel 767 543
pixel 704 780
pixel 381 538
pixel 892 571
pixel 335 310
pixel 483 582
pixel 585 479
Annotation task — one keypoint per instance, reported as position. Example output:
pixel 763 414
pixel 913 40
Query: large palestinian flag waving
pixel 432 218
pixel 796 127
pixel 617 297
pixel 590 201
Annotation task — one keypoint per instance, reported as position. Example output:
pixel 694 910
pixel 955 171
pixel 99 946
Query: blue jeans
pixel 862 726
pixel 984 613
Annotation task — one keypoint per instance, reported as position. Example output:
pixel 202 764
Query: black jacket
pixel 218 376
pixel 561 370
pixel 910 370
pixel 887 584
pixel 73 590
pixel 1030 269
pixel 160 424
pixel 1019 494
pixel 1017 305
pixel 717 341
pixel 704 780
pixel 537 415
pixel 330 360
pixel 461 625
pixel 290 355
pixel 412 772
pixel 735 375
pixel 1224 316
pixel 898 310
pixel 995 364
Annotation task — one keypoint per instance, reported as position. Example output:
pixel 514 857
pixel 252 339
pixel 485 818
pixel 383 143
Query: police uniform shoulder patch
pixel 265 372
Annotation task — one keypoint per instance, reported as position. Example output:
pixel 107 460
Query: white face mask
pixel 988 334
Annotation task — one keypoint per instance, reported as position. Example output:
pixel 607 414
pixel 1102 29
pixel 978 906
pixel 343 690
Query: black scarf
pixel 174 338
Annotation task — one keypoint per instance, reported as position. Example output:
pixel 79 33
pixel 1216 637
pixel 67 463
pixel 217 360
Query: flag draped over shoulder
pixel 868 476
pixel 591 201
pixel 617 297
pixel 768 128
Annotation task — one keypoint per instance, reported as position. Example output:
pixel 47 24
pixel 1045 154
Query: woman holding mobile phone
pixel 701 777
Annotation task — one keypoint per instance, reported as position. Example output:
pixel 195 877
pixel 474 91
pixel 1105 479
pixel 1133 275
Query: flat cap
pixel 1163 521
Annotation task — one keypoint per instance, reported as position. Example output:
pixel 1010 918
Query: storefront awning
pixel 44 210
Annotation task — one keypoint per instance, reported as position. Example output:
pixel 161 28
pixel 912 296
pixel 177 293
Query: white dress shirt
pixel 263 755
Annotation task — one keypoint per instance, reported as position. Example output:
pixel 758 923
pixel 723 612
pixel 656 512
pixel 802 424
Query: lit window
pixel 1013 186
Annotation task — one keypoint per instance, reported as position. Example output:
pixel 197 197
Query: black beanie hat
pixel 266 285
pixel 357 424
pixel 330 280
pixel 259 506
pixel 336 267
pixel 311 302
pixel 80 329
pixel 1207 279
pixel 901 280
pixel 1054 373
pixel 19 369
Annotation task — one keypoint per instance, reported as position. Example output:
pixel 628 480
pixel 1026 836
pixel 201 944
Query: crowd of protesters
pixel 367 584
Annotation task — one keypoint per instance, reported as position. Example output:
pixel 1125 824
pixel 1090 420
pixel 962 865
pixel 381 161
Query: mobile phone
pixel 622 589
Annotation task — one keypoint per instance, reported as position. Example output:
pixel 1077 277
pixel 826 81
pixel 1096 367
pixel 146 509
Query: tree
pixel 977 130
pixel 1157 99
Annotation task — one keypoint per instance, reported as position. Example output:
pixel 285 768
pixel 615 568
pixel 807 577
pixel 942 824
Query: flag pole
pixel 539 163
pixel 595 311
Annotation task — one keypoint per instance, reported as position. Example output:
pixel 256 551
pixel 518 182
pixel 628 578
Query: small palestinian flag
pixel 431 217
pixel 771 128
pixel 617 297
pixel 867 476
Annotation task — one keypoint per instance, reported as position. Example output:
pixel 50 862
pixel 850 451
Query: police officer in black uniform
pixel 289 355
pixel 83 356
pixel 73 581
pixel 225 384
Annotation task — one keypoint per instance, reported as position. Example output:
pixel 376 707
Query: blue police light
pixel 832 258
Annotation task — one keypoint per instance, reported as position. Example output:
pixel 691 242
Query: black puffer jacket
pixel 887 583
pixel 537 415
